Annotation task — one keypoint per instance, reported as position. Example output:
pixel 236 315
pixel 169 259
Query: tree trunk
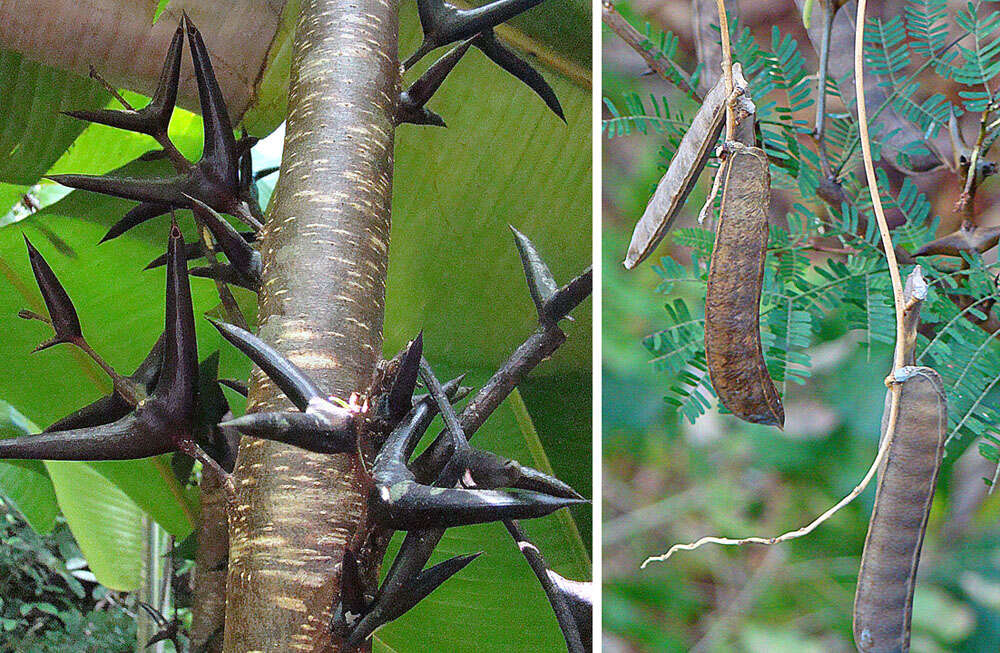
pixel 325 250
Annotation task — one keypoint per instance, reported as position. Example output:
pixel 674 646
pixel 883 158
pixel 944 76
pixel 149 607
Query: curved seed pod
pixel 444 23
pixel 155 117
pixel 65 322
pixel 883 603
pixel 490 45
pixel 685 168
pixel 732 300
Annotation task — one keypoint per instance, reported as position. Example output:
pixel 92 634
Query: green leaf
pixel 33 134
pixel 105 522
pixel 25 482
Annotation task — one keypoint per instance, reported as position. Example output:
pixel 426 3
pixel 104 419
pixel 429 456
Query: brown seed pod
pixel 685 168
pixel 732 300
pixel 883 603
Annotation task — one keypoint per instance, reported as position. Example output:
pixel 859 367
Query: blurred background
pixel 668 481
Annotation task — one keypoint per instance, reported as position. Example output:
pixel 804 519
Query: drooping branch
pixel 324 253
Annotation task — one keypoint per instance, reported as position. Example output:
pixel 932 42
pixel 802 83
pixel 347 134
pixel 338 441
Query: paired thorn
pixel 551 302
pixel 443 23
pixel 215 179
pixel 399 502
pixel 399 400
pixel 160 423
pixel 411 107
pixel 62 314
pixel 320 425
pixel 490 45
pixel 383 610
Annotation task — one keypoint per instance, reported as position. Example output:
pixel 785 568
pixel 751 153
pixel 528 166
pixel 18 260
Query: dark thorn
pixel 401 394
pixel 161 423
pixel 406 505
pixel 455 468
pixel 352 605
pixel 532 479
pixel 241 255
pixel 568 619
pixel 157 191
pixel 443 23
pixel 265 172
pixel 238 386
pixel 193 251
pixel 541 284
pixel 62 313
pixel 491 46
pixel 155 117
pixel 219 154
pixel 411 101
pixel 579 598
pixel 321 433
pixel 290 379
pixel 136 216
pixel 488 471
pixel 383 610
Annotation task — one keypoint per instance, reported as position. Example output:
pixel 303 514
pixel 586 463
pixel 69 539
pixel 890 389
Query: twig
pixel 727 70
pixel 638 42
pixel 819 134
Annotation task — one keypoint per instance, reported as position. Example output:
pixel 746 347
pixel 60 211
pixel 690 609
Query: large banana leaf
pixel 505 159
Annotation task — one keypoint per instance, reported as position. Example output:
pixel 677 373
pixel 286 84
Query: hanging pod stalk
pixel 883 602
pixel 732 300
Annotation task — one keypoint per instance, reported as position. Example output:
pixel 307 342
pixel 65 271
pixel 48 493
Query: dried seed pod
pixel 685 168
pixel 732 300
pixel 883 603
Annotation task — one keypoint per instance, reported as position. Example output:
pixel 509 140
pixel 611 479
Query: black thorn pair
pixel 442 24
pixel 399 502
pixel 162 422
pixel 215 179
pixel 360 625
pixel 320 425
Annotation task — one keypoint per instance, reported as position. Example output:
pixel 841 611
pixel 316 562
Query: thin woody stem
pixel 122 386
pixel 727 69
pixel 637 41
